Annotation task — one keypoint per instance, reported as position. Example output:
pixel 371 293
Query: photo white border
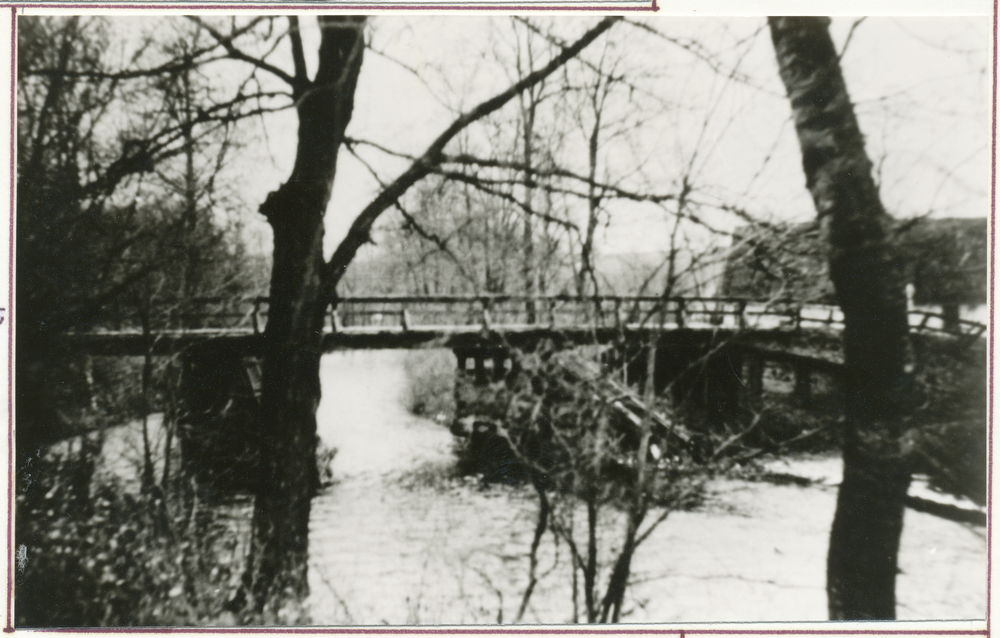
pixel 699 8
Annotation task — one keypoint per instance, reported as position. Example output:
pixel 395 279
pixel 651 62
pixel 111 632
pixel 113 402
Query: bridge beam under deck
pixel 522 337
pixel 722 382
pixel 717 373
pixel 218 423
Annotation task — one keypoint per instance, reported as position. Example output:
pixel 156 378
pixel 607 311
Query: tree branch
pixel 236 54
pixel 411 222
pixel 301 73
pixel 481 185
pixel 359 232
pixel 470 160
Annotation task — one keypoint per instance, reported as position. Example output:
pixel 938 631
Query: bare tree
pixel 101 168
pixel 290 388
pixel 864 541
pixel 302 285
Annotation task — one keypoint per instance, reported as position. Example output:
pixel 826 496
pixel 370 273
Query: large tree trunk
pixel 290 390
pixel 864 541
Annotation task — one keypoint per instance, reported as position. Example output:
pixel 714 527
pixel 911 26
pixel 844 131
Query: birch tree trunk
pixel 864 541
pixel 290 390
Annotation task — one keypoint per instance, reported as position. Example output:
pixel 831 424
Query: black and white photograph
pixel 529 318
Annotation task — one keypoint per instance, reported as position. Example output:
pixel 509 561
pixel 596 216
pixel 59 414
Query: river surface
pixel 396 541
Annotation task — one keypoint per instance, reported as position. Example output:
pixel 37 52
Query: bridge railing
pixel 209 314
pixel 494 311
pixel 381 313
pixel 923 321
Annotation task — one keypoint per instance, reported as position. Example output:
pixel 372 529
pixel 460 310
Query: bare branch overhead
pixel 360 230
pixel 227 43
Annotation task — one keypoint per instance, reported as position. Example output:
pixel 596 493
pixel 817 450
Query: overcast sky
pixel 920 88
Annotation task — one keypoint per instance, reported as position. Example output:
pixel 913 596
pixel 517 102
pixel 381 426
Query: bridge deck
pixel 453 321
pixel 137 343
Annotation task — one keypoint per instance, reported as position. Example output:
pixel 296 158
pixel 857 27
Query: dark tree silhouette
pixel 864 541
pixel 290 389
pixel 103 154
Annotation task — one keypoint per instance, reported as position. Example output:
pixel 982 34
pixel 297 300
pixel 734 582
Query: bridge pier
pixel 802 390
pixel 753 370
pixel 479 403
pixel 486 363
pixel 478 367
pixel 218 434
pixel 693 370
pixel 723 386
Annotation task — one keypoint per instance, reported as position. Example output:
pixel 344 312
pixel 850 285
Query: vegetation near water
pixel 430 384
pixel 107 556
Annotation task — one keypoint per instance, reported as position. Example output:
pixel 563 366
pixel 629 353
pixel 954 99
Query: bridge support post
pixel 950 318
pixel 255 316
pixel 803 383
pixel 754 371
pixel 723 385
pixel 218 427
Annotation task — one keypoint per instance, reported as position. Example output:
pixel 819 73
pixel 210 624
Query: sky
pixel 920 88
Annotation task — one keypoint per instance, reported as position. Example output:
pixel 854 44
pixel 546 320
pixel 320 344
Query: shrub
pixel 430 384
pixel 586 443
pixel 949 427
pixel 325 455
pixel 109 558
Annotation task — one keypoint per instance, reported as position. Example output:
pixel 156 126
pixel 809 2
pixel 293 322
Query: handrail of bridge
pixel 248 314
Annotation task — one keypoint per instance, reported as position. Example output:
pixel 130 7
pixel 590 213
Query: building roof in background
pixel 944 259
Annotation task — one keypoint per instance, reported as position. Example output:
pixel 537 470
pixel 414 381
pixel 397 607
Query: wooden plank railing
pixel 496 312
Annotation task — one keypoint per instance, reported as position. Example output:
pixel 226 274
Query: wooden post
pixel 147 372
pixel 950 317
pixel 485 315
pixel 334 319
pixel 498 369
pixel 144 318
pixel 755 378
pixel 148 479
pixel 480 368
pixel 803 382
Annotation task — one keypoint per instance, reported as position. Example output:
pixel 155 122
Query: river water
pixel 395 541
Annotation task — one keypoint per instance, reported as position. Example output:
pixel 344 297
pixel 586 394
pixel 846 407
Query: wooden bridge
pixel 165 327
pixel 713 351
